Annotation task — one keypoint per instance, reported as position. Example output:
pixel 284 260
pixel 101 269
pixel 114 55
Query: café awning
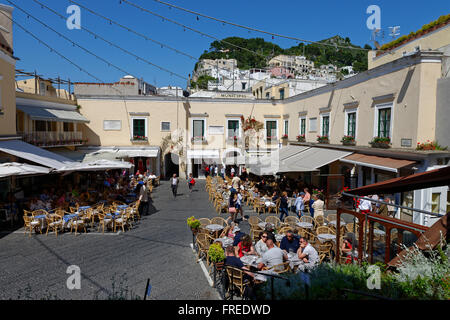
pixel 49 114
pixel 382 163
pixel 311 159
pixel 20 169
pixel 97 165
pixel 35 154
pixel 423 180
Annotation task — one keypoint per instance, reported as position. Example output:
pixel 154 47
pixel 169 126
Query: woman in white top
pixel 261 246
pixel 317 206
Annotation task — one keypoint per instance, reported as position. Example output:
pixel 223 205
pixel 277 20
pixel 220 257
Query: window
pixel 351 124
pixel 435 202
pixel 139 128
pixel 165 126
pixel 312 124
pixel 40 125
pixel 384 122
pixel 286 127
pixel 198 128
pixel 66 127
pixel 42 87
pixel 281 94
pixel 233 128
pixel 243 85
pixel 302 126
pixel 271 129
pixel 267 95
pixel 325 125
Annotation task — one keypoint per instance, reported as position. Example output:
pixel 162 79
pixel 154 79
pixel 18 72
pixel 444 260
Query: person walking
pixel 284 206
pixel 222 172
pixel 232 206
pixel 143 199
pixel 174 184
pixel 191 182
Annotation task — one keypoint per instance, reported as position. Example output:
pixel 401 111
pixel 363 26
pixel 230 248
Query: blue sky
pixel 311 20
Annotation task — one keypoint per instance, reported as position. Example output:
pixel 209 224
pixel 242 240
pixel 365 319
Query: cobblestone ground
pixel 157 248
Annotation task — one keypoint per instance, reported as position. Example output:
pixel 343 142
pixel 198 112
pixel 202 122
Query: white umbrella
pixel 18 169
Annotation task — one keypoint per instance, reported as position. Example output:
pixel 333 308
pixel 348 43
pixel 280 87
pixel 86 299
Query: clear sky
pixel 311 20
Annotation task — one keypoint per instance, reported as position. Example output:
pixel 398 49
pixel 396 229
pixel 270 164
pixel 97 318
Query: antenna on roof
pixel 395 31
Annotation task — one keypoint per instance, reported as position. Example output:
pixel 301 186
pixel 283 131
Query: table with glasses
pixel 293 259
pixel 251 260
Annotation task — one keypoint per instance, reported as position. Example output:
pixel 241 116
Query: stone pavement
pixel 157 248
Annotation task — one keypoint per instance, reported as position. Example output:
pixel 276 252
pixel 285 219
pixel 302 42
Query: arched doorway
pixel 232 158
pixel 171 165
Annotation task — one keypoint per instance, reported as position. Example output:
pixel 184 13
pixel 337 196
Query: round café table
pixel 324 237
pixel 306 225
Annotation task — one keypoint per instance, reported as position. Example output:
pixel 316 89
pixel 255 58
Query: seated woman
pixel 347 249
pixel 245 247
pixel 228 231
pixel 261 246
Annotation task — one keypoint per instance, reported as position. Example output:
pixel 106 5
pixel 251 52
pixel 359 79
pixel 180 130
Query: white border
pixel 326 114
pixel 131 125
pixel 265 127
pixel 347 111
pixel 240 127
pixel 375 119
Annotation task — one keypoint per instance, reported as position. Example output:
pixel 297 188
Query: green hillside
pixel 314 52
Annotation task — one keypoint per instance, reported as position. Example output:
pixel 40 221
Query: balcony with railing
pixel 53 138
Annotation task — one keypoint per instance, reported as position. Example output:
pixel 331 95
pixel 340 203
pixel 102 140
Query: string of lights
pixel 251 28
pixel 96 36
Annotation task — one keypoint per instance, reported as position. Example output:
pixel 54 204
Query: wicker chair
pixel 204 221
pixel 308 219
pixel 281 268
pixel 254 220
pixel 273 220
pixel 319 220
pixel 236 280
pixel 219 221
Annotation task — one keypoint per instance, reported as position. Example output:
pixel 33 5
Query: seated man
pixel 307 254
pixel 290 242
pixel 232 260
pixel 273 256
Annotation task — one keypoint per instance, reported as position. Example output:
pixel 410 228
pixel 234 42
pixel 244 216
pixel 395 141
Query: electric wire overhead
pixel 250 28
pixel 96 36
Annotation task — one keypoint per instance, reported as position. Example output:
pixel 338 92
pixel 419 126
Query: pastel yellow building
pixel 7 74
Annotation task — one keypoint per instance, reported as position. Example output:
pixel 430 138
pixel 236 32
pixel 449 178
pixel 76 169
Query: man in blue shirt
pixel 232 260
pixel 299 205
pixel 289 242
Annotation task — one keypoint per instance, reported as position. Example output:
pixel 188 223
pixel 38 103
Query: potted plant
pixel 429 145
pixel 194 224
pixel 348 140
pixel 380 142
pixel 323 139
pixel 301 138
pixel 216 255
pixel 284 136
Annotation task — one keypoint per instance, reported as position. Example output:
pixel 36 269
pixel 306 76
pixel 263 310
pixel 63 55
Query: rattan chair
pixel 219 221
pixel 308 219
pixel 254 220
pixel 236 280
pixel 54 223
pixel 281 268
pixel 331 217
pixel 274 220
pixel 319 220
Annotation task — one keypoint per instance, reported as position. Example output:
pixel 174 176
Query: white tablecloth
pixel 306 225
pixel 279 237
pixel 323 237
pixel 251 260
pixel 261 277
pixel 293 259
pixel 379 232
pixel 214 227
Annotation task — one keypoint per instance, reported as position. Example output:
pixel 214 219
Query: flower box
pixel 348 140
pixel 284 136
pixel 323 139
pixel 301 138
pixel 380 142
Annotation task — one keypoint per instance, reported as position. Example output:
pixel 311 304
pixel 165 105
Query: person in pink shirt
pixel 306 198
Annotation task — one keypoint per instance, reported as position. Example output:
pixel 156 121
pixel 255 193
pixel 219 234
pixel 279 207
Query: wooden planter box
pixel 382 145
pixel 349 143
